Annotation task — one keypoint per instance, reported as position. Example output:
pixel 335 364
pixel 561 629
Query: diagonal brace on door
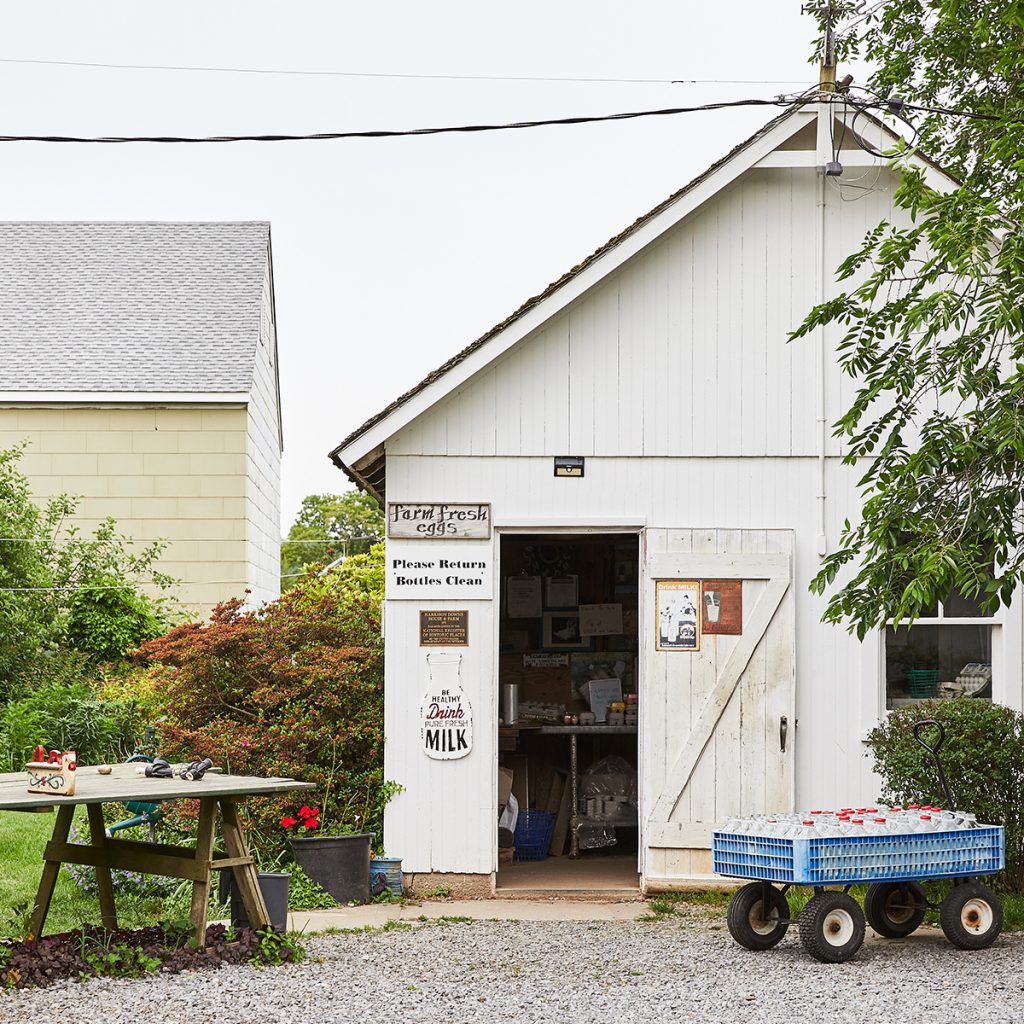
pixel 728 679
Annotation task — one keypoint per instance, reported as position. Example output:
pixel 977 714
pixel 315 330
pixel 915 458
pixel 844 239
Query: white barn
pixel 662 362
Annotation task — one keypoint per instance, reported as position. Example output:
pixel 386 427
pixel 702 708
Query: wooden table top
pixel 125 783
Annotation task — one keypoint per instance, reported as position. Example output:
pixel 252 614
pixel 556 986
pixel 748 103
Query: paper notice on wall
pixel 523 598
pixel 600 619
pixel 599 693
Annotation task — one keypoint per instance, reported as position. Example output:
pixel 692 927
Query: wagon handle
pixel 934 751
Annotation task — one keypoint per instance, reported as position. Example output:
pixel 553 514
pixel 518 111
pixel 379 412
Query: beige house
pixel 139 362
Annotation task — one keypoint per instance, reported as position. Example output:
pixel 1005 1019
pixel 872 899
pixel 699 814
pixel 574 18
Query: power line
pixel 779 101
pixel 396 75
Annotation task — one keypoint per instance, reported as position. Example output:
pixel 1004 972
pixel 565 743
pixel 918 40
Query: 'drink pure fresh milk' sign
pixel 439 571
pixel 446 717
pixel 439 520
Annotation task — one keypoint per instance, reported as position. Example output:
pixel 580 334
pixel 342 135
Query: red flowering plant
pixel 308 819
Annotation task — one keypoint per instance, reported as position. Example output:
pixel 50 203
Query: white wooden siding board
pixel 652 746
pixel 729 412
pixel 779 669
pixel 703 674
pixel 753 696
pixel 778 272
pixel 633 368
pixel 756 326
pixel 683 834
pixel 531 394
pixel 727 776
pixel 603 351
pixel 661 292
pixel 702 336
pixel 804 354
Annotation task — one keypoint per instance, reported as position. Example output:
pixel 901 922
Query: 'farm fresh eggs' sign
pixel 439 520
pixel 422 572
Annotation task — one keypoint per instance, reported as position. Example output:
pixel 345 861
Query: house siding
pixel 173 474
pixel 263 461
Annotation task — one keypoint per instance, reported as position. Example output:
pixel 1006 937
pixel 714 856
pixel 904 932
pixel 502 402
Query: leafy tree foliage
pixel 66 600
pixel 931 322
pixel 330 524
pixel 293 689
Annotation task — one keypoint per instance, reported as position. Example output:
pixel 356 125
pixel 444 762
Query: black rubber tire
pixel 895 909
pixel 832 927
pixel 971 916
pixel 749 926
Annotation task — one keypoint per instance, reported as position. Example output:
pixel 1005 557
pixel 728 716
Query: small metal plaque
pixel 444 628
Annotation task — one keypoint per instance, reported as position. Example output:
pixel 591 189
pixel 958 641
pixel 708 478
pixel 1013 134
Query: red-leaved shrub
pixel 294 689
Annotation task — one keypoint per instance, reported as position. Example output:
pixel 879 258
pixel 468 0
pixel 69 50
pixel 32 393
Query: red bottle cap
pixel 857 821
pixel 913 807
pixel 808 822
pixel 926 817
pixel 879 821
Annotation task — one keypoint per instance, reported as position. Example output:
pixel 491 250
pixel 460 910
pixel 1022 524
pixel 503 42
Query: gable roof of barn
pixel 361 454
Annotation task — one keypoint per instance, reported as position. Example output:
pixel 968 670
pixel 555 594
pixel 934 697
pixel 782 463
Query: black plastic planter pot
pixel 273 885
pixel 340 864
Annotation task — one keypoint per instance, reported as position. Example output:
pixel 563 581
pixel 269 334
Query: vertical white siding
pixel 446 817
pixel 263 462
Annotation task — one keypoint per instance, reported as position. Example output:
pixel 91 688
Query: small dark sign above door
pixel 444 628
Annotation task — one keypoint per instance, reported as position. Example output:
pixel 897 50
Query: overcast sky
pixel 389 255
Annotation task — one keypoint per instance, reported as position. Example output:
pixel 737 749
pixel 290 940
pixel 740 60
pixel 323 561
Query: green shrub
pixel 983 756
pixel 67 717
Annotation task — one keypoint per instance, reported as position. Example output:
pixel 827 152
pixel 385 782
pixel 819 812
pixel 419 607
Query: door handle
pixel 783 730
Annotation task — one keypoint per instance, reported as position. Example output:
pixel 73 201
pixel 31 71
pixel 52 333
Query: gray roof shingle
pixel 115 306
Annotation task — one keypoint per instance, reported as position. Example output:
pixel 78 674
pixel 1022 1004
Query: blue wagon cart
pixel 832 924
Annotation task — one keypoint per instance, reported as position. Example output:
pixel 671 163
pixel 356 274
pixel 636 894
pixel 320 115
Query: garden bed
pixel 91 951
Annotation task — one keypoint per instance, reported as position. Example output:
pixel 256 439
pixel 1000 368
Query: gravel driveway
pixel 673 970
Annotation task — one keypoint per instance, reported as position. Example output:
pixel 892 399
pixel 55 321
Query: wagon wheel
pixel 895 909
pixel 832 927
pixel 749 924
pixel 971 916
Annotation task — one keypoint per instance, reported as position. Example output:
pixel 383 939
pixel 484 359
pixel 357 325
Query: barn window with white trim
pixel 945 653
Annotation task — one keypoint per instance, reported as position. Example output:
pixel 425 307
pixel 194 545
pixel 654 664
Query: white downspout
pixel 824 156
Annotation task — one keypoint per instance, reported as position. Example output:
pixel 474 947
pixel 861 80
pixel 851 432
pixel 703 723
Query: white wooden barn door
pixel 717 727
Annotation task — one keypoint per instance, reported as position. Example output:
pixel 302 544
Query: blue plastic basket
pixel 846 859
pixel 391 869
pixel 533 834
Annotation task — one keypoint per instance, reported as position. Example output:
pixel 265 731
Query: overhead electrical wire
pixel 396 75
pixel 778 101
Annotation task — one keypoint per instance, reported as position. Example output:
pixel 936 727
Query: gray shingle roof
pixel 111 306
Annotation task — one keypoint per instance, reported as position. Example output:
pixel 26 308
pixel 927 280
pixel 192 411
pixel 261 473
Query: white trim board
pixel 18 399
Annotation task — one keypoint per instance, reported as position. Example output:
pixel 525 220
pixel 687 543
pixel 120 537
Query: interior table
pixel 215 792
pixel 573 732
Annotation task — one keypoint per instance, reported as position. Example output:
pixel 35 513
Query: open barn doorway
pixel 568 698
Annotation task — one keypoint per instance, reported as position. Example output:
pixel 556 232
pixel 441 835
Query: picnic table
pixel 105 853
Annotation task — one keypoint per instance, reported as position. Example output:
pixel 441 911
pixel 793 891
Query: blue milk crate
pixel 852 859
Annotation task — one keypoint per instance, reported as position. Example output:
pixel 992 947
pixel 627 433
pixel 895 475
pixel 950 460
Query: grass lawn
pixel 23 836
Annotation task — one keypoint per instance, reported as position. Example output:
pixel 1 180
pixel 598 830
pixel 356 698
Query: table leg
pixel 574 820
pixel 104 883
pixel 245 875
pixel 204 854
pixel 51 868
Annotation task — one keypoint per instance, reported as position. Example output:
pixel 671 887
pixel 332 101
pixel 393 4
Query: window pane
pixel 937 661
pixel 960 606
